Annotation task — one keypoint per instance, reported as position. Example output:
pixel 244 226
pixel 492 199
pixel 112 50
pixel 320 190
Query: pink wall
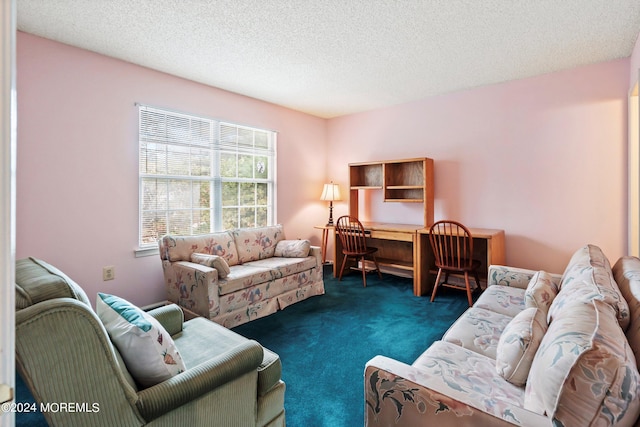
pixel 543 158
pixel 77 183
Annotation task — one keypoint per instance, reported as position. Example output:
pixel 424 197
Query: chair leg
pixel 435 286
pixel 364 273
pixel 466 281
pixel 344 262
pixel 477 277
pixel 375 261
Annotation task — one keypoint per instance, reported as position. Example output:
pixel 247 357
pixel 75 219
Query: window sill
pixel 142 252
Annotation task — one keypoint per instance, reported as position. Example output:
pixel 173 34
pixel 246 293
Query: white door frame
pixel 633 173
pixel 7 203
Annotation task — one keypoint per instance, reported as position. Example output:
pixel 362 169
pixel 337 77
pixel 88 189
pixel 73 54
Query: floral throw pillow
pixel 293 248
pixel 213 261
pixel 541 291
pixel 519 343
pixel 146 347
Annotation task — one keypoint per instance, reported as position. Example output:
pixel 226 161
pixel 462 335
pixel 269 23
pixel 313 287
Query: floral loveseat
pixel 235 276
pixel 536 349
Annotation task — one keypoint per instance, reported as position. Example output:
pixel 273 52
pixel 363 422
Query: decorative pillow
pixel 518 345
pixel 293 248
pixel 541 291
pixel 213 261
pixel 147 349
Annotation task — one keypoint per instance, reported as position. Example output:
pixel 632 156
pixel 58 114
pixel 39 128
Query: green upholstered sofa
pixel 65 355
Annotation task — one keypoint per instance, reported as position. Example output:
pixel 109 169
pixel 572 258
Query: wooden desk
pixel 406 249
pixel 325 237
pixel 397 248
pixel 488 247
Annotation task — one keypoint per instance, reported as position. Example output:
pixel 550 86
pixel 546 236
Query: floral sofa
pixel 235 276
pixel 536 349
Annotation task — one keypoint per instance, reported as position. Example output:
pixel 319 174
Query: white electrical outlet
pixel 108 273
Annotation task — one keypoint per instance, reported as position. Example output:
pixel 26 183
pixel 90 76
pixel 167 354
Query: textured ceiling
pixel 335 57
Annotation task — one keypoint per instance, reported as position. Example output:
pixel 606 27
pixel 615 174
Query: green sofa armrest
pixel 170 316
pixel 197 381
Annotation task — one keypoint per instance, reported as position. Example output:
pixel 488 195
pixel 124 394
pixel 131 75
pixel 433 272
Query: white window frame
pixel 182 133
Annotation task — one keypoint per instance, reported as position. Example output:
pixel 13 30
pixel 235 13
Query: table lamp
pixel 330 192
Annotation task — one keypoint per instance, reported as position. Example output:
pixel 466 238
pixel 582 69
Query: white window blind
pixel 199 175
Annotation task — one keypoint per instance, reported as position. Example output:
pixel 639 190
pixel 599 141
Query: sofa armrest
pixel 403 395
pixel 514 277
pixel 170 316
pixel 199 380
pixel 316 251
pixel 192 286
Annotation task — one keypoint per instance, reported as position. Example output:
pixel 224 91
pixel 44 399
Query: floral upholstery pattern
pixel 519 343
pixel 257 243
pixel 627 275
pixel 584 372
pixel 590 272
pixel 479 330
pixel 292 248
pixel 213 261
pixel 541 291
pixel 180 248
pixel 505 300
pixel 257 284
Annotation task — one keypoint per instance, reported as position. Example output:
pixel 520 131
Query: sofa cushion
pixel 292 248
pixel 242 277
pixel 213 261
pixel 584 372
pixel 202 340
pixel 257 243
pixel 180 248
pixel 627 275
pixel 541 291
pixel 146 348
pixel 590 271
pixel 478 330
pixel 281 267
pixel 518 345
pixel 501 299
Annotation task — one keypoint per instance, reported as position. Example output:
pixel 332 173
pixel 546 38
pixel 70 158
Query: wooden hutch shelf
pixel 402 181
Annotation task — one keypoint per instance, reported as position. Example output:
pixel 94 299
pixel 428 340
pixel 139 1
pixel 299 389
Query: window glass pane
pixel 261 217
pixel 154 194
pixel 261 167
pixel 229 218
pixel 153 226
pixel 245 137
pixel 261 194
pixel 247 217
pixel 178 160
pixel 153 158
pixel 230 194
pixel 180 222
pixel 201 222
pixel 179 194
pixel 245 166
pixel 261 139
pixel 200 133
pixel 228 134
pixel 201 194
pixel 200 162
pixel 177 128
pixel 247 194
pixel 228 165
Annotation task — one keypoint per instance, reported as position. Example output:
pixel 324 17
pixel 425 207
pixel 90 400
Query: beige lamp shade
pixel 330 192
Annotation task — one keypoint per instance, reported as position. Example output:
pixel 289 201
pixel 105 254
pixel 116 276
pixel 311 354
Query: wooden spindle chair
pixel 354 245
pixel 452 246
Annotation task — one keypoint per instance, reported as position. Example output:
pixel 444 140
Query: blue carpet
pixel 325 341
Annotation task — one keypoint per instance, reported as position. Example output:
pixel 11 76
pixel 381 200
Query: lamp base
pixel 330 223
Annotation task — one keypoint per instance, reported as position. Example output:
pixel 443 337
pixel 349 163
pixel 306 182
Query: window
pixel 199 175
